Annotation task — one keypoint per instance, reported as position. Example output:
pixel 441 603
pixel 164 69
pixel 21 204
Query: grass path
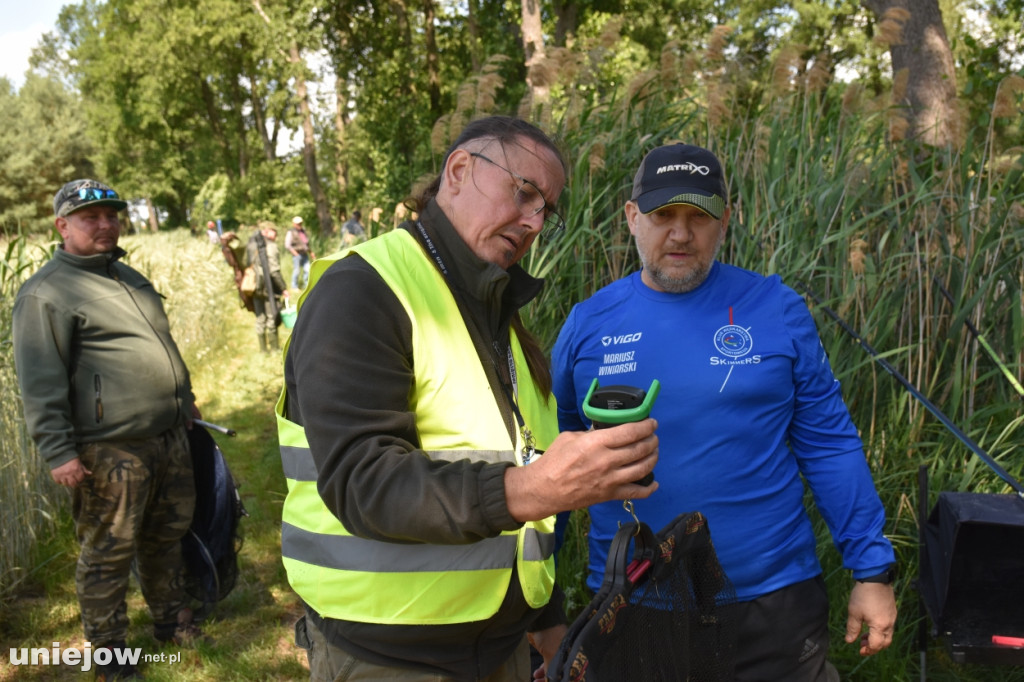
pixel 236 386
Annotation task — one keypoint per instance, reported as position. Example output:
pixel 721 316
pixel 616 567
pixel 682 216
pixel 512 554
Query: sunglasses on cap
pixel 95 194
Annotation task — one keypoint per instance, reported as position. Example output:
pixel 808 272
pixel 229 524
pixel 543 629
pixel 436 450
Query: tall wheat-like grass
pixel 191 274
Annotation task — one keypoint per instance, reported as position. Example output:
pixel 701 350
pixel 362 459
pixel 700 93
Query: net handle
pixel 635 534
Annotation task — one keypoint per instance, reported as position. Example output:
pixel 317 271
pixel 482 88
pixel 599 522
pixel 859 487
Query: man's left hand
pixel 546 642
pixel 872 605
pixel 71 473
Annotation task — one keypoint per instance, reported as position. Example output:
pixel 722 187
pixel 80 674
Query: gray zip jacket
pixel 94 356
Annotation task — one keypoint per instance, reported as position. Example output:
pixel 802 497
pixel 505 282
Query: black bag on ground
pixel 211 545
pixel 658 615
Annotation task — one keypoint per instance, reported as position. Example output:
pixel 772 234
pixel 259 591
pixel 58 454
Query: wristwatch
pixel 886 577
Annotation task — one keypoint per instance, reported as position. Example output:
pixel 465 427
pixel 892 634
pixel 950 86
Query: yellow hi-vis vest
pixel 357 579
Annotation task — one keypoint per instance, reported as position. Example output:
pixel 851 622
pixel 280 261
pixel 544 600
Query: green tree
pixel 292 33
pixel 178 92
pixel 43 144
pixel 397 78
pixel 174 92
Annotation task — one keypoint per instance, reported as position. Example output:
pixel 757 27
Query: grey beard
pixel 681 285
pixel 677 285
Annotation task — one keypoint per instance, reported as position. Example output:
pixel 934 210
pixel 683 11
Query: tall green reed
pixel 824 197
pixel 33 502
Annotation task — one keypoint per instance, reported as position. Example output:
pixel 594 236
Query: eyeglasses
pixel 94 194
pixel 529 199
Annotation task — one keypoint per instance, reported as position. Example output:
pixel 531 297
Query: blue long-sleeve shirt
pixel 748 404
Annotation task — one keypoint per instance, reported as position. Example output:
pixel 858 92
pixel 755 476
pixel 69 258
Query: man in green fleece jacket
pixel 107 401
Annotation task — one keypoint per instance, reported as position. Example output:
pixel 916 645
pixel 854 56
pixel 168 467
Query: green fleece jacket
pixel 94 356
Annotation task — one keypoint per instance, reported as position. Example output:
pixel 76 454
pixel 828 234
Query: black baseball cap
pixel 81 193
pixel 680 174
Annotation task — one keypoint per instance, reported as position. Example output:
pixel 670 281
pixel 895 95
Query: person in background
pixel 352 231
pixel 297 243
pixel 262 254
pixel 748 410
pixel 107 400
pixel 419 438
pixel 211 232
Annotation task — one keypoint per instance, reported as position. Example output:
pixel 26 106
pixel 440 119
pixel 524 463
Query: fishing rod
pixel 221 429
pixel 963 437
pixel 981 340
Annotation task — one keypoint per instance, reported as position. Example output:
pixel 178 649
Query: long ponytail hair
pixel 503 129
pixel 506 131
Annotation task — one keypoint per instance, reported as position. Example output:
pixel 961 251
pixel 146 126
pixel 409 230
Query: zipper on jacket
pixel 99 398
pixel 179 399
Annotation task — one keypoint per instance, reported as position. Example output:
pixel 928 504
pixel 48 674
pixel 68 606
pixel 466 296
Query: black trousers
pixel 783 636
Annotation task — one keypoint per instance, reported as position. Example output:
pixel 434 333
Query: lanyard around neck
pixel 529 449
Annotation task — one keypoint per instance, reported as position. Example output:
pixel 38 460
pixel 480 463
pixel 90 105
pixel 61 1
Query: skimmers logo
pixel 735 343
pixel 621 338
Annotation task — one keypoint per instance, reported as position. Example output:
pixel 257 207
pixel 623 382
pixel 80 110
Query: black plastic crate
pixel 972 575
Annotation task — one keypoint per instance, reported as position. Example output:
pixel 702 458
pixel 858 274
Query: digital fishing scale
pixel 614 405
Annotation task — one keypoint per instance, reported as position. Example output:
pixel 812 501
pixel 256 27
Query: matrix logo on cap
pixel 688 166
pixel 680 174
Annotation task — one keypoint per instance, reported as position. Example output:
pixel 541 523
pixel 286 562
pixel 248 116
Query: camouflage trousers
pixel 265 322
pixel 137 504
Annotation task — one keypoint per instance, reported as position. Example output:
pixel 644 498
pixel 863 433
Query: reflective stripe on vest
pixel 358 579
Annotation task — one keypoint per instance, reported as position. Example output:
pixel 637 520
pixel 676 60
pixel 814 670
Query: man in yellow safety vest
pixel 419 436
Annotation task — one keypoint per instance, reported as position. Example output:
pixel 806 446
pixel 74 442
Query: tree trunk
pixel 401 16
pixel 533 49
pixel 922 58
pixel 340 124
pixel 567 18
pixel 294 57
pixel 259 114
pixel 213 116
pixel 475 58
pixel 433 61
pixel 269 141
pixel 237 108
pixel 260 119
pixel 323 210
pixel 154 219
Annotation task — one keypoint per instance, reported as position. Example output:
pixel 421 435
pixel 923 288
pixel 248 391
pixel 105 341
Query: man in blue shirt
pixel 748 410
